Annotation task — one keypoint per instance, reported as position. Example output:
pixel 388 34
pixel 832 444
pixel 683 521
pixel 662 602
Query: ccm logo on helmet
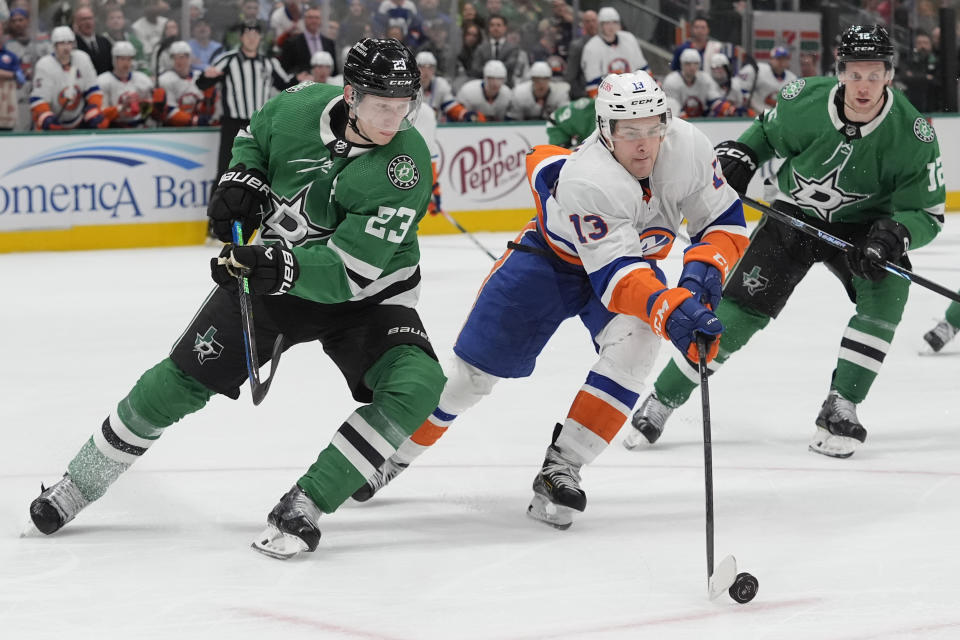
pixel 400 83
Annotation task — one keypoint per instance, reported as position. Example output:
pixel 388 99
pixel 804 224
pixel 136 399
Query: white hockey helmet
pixel 719 60
pixel 426 58
pixel 625 96
pixel 62 33
pixel 321 59
pixel 689 55
pixel 608 14
pixel 179 48
pixel 540 69
pixel 123 49
pixel 494 69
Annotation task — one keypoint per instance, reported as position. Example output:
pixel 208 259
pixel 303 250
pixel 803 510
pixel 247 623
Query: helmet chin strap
pixel 352 116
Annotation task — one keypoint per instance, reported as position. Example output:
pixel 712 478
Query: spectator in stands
pixel 538 97
pixel 700 42
pixel 489 96
pixel 401 13
pixel 919 74
pixel 430 12
pixel 470 16
pixel 249 12
pixel 321 69
pixel 809 64
pixel 179 102
pixel 470 44
pixel 149 28
pixel 438 43
pixel 297 50
pixel 546 45
pixel 95 46
pixel 116 30
pixel 161 54
pixel 526 20
pixel 29 50
pixel 693 89
pixel 204 49
pixel 356 25
pixel 574 72
pixel 11 79
pixel 612 50
pixel 127 93
pixel 499 47
pixel 562 21
pixel 65 91
pixel 286 21
pixel 434 90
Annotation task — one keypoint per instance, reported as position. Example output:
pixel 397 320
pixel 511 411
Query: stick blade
pixel 723 577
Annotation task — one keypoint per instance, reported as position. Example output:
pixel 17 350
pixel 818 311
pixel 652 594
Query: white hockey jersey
pixel 602 217
pixel 29 53
pixel 524 106
pixel 471 96
pixel 185 100
pixel 695 99
pixel 765 85
pixel 426 124
pixel 125 97
pixel 64 92
pixel 600 58
pixel 438 94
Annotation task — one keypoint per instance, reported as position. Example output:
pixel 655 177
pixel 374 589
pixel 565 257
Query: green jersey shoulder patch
pixel 923 130
pixel 403 172
pixel 792 89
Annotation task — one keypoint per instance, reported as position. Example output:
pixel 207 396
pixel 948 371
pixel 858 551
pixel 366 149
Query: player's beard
pixel 862 114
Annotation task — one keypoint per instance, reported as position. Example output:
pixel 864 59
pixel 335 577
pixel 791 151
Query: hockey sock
pixel 162 396
pixel 680 377
pixel 406 384
pixel 953 314
pixel 598 411
pixel 864 345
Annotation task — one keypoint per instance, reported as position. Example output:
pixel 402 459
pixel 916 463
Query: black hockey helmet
pixel 865 42
pixel 382 68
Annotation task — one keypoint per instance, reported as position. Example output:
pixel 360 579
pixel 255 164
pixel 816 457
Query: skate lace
pixel 561 474
pixel 66 497
pixel 302 504
pixel 387 472
pixel 655 411
pixel 843 410
pixel 945 331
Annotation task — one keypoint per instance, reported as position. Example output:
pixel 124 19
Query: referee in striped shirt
pixel 248 78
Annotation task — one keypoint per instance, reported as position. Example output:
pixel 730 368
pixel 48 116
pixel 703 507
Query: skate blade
pixel 30 530
pixel 723 577
pixel 636 441
pixel 277 544
pixel 827 444
pixel 557 516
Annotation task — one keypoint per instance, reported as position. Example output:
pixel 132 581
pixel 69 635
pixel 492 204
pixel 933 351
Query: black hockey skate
pixel 291 526
pixel 648 422
pixel 838 428
pixel 57 505
pixel 556 491
pixel 940 335
pixel 389 470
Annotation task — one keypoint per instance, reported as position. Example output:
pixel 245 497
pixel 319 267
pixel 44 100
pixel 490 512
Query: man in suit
pixel 297 51
pixel 95 46
pixel 574 72
pixel 497 47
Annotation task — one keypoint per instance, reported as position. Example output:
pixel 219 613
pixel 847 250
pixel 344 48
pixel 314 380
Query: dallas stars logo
pixel 206 346
pixel 753 281
pixel 403 172
pixel 290 223
pixel 824 196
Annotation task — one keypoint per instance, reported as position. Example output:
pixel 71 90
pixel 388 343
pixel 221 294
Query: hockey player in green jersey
pixel 570 125
pixel 336 180
pixel 945 330
pixel 860 163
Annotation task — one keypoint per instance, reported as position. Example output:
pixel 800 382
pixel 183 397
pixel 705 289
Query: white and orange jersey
pixel 63 93
pixel 765 84
pixel 472 97
pixel 525 105
pixel 593 212
pixel 600 58
pixel 184 100
pixel 123 99
pixel 694 99
pixel 438 94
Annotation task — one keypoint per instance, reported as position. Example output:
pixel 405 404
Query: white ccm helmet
pixel 629 95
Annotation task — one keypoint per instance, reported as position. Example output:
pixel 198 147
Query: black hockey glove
pixel 242 194
pixel 269 270
pixel 739 163
pixel 887 240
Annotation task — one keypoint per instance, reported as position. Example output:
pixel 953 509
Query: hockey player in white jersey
pixel 538 97
pixel 606 214
pixel 734 100
pixel 693 89
pixel 65 91
pixel 179 102
pixel 321 69
pixel 436 90
pixel 490 96
pixel 765 81
pixel 127 94
pixel 613 50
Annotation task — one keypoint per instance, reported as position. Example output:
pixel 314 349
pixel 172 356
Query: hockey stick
pixel 741 587
pixel 843 245
pixel 258 389
pixel 462 230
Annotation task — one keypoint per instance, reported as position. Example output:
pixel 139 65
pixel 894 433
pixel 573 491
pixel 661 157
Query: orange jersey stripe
pixel 633 291
pixel 596 415
pixel 722 250
pixel 428 433
pixel 535 157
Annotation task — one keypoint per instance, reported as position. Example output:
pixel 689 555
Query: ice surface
pixel 846 549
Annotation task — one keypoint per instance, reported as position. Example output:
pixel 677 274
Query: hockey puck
pixel 744 588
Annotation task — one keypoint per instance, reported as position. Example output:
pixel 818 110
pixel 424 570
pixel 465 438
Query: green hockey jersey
pixel 569 125
pixel 348 212
pixel 840 172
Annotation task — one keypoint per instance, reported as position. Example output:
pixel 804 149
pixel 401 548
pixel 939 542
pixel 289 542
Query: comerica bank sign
pixel 49 182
